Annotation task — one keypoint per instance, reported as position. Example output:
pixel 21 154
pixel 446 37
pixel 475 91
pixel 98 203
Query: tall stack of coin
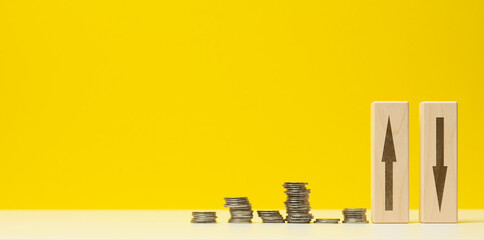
pixel 204 217
pixel 240 209
pixel 354 215
pixel 271 216
pixel 297 203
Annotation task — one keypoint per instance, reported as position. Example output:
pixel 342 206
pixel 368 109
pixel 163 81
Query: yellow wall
pixel 176 104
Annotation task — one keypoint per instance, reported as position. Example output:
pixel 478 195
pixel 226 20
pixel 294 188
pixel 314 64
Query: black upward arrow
pixel 388 158
pixel 440 171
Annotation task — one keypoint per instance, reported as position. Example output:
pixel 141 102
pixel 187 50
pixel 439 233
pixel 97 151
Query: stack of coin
pixel 326 220
pixel 297 203
pixel 354 215
pixel 271 216
pixel 240 209
pixel 204 217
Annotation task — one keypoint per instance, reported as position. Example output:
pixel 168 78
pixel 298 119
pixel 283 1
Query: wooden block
pixel 438 162
pixel 389 162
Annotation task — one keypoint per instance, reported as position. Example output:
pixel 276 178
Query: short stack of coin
pixel 326 220
pixel 354 215
pixel 297 203
pixel 240 209
pixel 271 216
pixel 204 217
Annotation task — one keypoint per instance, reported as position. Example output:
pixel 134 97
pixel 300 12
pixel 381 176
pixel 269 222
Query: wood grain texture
pixel 438 162
pixel 389 162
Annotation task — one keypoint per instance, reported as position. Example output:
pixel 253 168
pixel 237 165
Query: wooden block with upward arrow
pixel 438 162
pixel 389 162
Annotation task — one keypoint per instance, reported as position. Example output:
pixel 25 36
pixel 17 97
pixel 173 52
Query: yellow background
pixel 176 104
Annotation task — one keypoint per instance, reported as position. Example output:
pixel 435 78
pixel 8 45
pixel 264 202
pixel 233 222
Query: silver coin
pixel 204 213
pixel 354 209
pixel 329 220
pixel 296 183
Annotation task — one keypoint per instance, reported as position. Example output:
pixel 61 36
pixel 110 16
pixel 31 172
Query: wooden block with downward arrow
pixel 438 162
pixel 389 162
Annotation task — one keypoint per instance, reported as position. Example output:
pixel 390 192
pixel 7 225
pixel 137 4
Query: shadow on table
pixel 470 221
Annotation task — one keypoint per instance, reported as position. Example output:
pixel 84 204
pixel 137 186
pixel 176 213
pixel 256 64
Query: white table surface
pixel 175 224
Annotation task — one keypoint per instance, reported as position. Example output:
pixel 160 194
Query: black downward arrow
pixel 388 158
pixel 440 171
